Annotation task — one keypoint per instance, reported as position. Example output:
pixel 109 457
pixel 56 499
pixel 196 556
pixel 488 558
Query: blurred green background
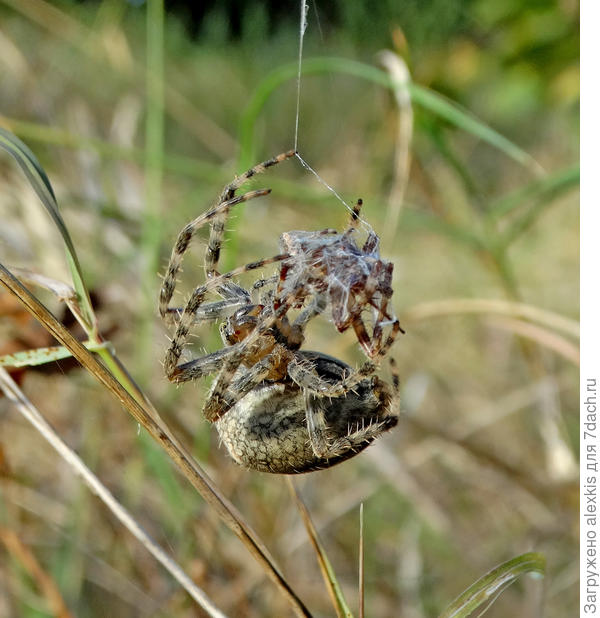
pixel 138 137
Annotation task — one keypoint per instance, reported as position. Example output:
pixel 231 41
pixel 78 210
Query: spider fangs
pixel 278 408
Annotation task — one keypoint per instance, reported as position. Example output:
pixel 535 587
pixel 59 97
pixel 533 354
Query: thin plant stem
pixel 30 412
pixel 150 241
pixel 178 454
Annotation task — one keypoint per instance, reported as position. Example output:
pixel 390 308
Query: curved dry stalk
pixel 30 412
pixel 457 306
pixel 542 336
pixel 160 433
pixel 398 71
pixel 361 564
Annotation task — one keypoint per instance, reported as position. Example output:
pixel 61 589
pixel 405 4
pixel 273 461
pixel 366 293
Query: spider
pixel 277 408
pixel 331 267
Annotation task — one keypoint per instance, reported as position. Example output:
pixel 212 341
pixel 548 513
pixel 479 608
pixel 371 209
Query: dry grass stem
pixel 398 71
pixel 461 306
pixel 540 335
pixel 28 410
pixel 20 552
pixel 175 450
pixel 333 587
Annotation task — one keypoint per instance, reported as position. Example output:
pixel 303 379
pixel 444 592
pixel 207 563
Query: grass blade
pixel 548 188
pixel 178 454
pixel 28 410
pixel 463 119
pixel 491 306
pixel 179 164
pixel 333 586
pixel 428 99
pixel 361 565
pixel 486 589
pixel 41 356
pixel 547 193
pixel 21 553
pixel 40 183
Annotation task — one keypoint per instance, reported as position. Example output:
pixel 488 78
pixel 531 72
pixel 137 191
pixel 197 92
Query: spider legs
pixel 316 307
pixel 304 375
pixel 210 311
pixel 217 228
pixel 320 434
pixel 216 216
pixel 183 242
pixel 328 440
pixel 196 309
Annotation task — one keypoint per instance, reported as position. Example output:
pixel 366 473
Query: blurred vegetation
pixel 482 467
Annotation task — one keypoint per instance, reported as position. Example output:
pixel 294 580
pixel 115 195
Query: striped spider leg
pixel 233 294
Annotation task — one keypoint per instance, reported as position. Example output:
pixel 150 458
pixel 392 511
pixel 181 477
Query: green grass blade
pixel 333 587
pixel 178 164
pixel 153 172
pixel 550 187
pixel 40 183
pixel 419 220
pixel 41 356
pixel 547 193
pixel 463 119
pixel 428 99
pixel 488 587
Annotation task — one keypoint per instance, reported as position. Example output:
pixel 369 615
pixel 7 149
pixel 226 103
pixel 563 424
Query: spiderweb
pixel 344 262
pixel 305 164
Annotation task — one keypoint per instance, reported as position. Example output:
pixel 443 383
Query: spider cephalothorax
pixel 278 408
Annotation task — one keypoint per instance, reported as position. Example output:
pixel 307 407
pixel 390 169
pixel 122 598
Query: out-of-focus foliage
pixel 482 467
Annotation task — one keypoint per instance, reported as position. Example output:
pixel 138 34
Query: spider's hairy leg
pixel 316 307
pixel 396 328
pixel 354 216
pixel 375 351
pixel 183 241
pixel 327 444
pixel 210 311
pixel 376 292
pixel 203 366
pixel 220 401
pixel 233 186
pixel 235 297
pixel 303 373
pixel 217 227
pixel 194 306
pixel 267 295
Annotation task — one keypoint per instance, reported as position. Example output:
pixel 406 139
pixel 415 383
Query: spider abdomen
pixel 267 429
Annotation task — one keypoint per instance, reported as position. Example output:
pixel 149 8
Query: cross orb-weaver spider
pixel 277 408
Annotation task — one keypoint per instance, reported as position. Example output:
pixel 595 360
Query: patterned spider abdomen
pixel 268 431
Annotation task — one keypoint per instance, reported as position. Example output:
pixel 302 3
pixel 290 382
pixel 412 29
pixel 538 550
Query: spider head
pixel 239 325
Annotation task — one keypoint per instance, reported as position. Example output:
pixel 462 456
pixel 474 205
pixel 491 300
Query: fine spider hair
pixel 261 362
